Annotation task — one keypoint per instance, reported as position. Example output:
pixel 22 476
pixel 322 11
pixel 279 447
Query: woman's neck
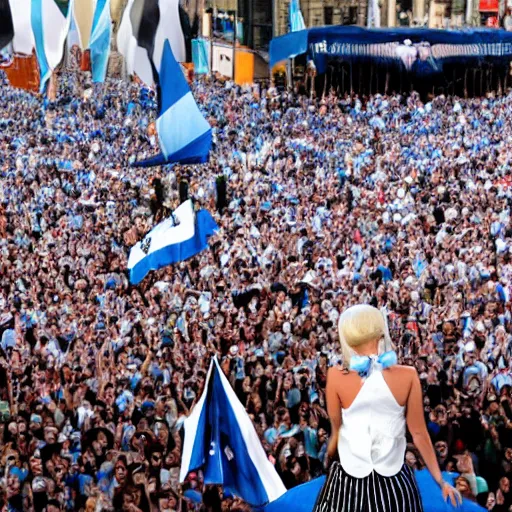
pixel 368 349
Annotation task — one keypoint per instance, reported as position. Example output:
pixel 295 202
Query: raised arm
pixel 421 438
pixel 333 408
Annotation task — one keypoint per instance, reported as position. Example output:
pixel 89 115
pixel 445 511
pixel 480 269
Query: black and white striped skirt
pixel 374 493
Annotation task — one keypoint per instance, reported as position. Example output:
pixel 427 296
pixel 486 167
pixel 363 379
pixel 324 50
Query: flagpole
pixel 234 46
pixel 212 28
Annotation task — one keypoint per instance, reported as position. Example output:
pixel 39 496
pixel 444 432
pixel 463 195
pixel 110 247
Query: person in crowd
pixel 371 402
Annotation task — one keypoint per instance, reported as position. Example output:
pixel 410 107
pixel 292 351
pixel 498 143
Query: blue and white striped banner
pixel 100 40
pixel 50 27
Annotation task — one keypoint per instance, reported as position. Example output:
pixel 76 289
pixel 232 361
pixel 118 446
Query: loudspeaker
pixel 183 191
pixel 222 200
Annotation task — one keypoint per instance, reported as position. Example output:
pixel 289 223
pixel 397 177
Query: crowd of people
pixel 329 202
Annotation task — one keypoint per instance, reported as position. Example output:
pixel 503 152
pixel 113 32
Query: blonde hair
pixel 359 325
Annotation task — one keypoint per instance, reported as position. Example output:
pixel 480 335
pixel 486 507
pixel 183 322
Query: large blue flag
pixel 303 498
pixel 184 135
pixel 221 440
pixel 296 18
pixel 100 40
pixel 179 237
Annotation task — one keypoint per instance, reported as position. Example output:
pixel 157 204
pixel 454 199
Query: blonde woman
pixel 370 403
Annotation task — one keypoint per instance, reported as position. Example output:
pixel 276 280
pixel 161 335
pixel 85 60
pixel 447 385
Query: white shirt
pixel 372 434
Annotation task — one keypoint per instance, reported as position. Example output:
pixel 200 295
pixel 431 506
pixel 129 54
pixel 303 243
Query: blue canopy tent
pixel 417 51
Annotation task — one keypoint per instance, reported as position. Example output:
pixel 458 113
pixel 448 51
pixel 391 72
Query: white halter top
pixel 372 434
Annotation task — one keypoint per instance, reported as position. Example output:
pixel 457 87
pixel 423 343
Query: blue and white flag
pixel 50 25
pixel 221 440
pixel 179 237
pixel 296 18
pixel 74 37
pixel 100 40
pixel 184 135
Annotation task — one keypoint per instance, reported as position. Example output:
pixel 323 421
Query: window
pixel 349 15
pixel 328 15
pixel 352 15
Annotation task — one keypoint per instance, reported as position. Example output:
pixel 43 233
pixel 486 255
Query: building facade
pixel 393 13
pixel 323 12
pixel 264 19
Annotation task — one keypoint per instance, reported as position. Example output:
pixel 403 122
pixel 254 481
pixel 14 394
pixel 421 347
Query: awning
pixel 419 50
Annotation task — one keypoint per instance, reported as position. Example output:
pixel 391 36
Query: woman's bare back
pixel 348 384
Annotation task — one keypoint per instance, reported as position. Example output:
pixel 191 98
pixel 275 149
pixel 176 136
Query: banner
pixel 85 61
pixel 23 72
pixel 244 69
pixel 23 41
pixel 420 51
pixel 83 15
pixel 223 60
pixel 207 25
pixel 489 5
pixel 201 56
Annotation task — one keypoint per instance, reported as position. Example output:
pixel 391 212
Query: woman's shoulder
pixel 404 370
pixel 338 372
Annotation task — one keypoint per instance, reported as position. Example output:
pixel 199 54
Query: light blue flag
pixel 50 25
pixel 240 32
pixel 296 18
pixel 99 44
pixel 220 440
pixel 201 56
pixel 419 265
pixel 184 135
pixel 178 238
pixel 37 27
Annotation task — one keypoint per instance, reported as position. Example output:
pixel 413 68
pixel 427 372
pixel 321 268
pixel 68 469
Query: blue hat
pixel 35 418
pixel 148 404
pixel 20 473
pixel 110 284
